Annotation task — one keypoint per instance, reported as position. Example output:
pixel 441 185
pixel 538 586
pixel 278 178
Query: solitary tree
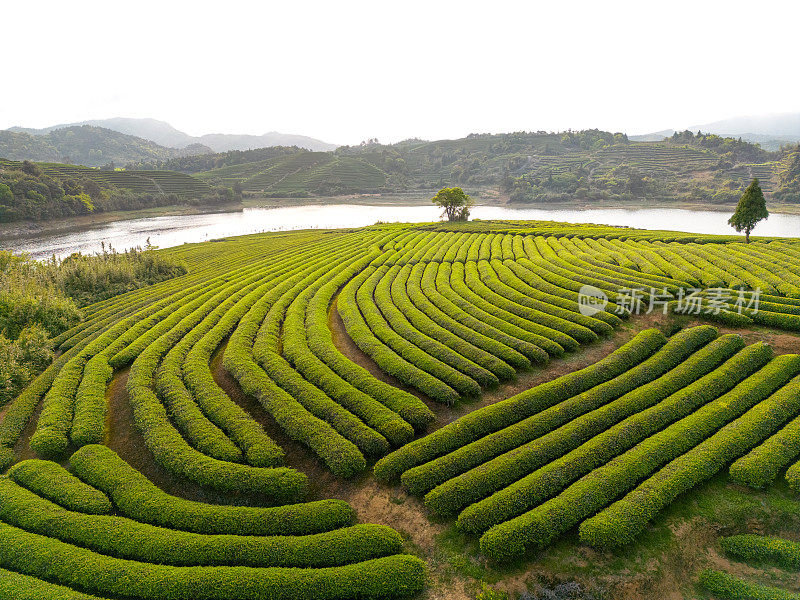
pixel 455 202
pixel 751 209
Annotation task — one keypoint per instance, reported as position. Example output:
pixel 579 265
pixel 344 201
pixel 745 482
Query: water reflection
pixel 176 230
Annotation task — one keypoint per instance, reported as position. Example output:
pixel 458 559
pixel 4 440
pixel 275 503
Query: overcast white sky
pixel 346 71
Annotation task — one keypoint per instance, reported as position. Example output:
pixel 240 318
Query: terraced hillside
pixel 149 182
pixel 301 174
pixel 284 369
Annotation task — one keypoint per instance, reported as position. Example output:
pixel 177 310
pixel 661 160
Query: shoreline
pixel 24 229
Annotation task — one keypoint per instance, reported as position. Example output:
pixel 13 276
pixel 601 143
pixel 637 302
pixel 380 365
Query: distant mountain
pixel 87 145
pixel 771 131
pixel 652 137
pixel 774 125
pixel 165 134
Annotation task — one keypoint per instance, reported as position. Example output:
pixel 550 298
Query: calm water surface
pixel 175 230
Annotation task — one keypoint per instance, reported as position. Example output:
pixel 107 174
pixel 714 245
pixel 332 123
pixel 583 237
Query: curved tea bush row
pixel 52 481
pixel 425 316
pixel 480 453
pixel 24 587
pixel 79 390
pixel 563 297
pixel 622 521
pixel 123 538
pixel 364 329
pixel 295 347
pixel 320 341
pixel 191 357
pixel 727 587
pixel 393 329
pixel 396 576
pixel 467 284
pixel 421 287
pixel 504 280
pixel 558 430
pixel 489 419
pixel 542 259
pixel 515 351
pixel 138 498
pixel 596 490
pixel 763 549
pixel 479 277
pixel 762 465
pixel 266 350
pixel 687 394
pixel 174 454
pixel 184 412
pixel 340 455
pixel 535 346
pixel 554 477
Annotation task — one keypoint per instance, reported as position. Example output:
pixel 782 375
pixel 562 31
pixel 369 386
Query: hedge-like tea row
pixel 630 277
pixel 123 538
pixel 534 346
pixel 621 522
pixel 466 283
pixel 425 316
pixel 503 280
pixel 530 444
pixel 17 586
pixel 479 276
pixel 461 374
pixel 52 481
pixel 340 455
pixel 495 417
pixel 367 327
pixel 138 498
pixel 184 412
pixel 173 453
pixel 563 297
pixel 266 350
pixel 727 587
pixel 687 394
pixel 475 485
pixel 320 342
pixel 422 290
pixel 596 490
pixel 762 549
pixel 295 347
pixel 762 465
pixel 398 576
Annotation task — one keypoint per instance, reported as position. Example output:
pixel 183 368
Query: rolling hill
pixel 86 145
pixel 164 134
pixel 302 174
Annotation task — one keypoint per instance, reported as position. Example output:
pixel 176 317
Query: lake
pixel 175 230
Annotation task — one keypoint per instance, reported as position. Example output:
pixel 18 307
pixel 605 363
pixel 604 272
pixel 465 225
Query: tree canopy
pixel 751 209
pixel 455 202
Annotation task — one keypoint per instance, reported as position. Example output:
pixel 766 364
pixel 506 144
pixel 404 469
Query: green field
pixel 412 410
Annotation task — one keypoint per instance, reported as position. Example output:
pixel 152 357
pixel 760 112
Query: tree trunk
pixel 746 236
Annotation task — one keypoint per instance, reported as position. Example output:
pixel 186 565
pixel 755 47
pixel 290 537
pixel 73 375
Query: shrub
pixel 138 498
pixel 761 549
pixel 540 439
pixel 397 576
pixel 540 526
pixel 122 538
pixel 623 520
pixel 52 481
pixel 728 587
pixel 489 419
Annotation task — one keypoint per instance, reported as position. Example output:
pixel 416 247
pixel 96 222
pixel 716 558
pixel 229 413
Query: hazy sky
pixel 346 71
